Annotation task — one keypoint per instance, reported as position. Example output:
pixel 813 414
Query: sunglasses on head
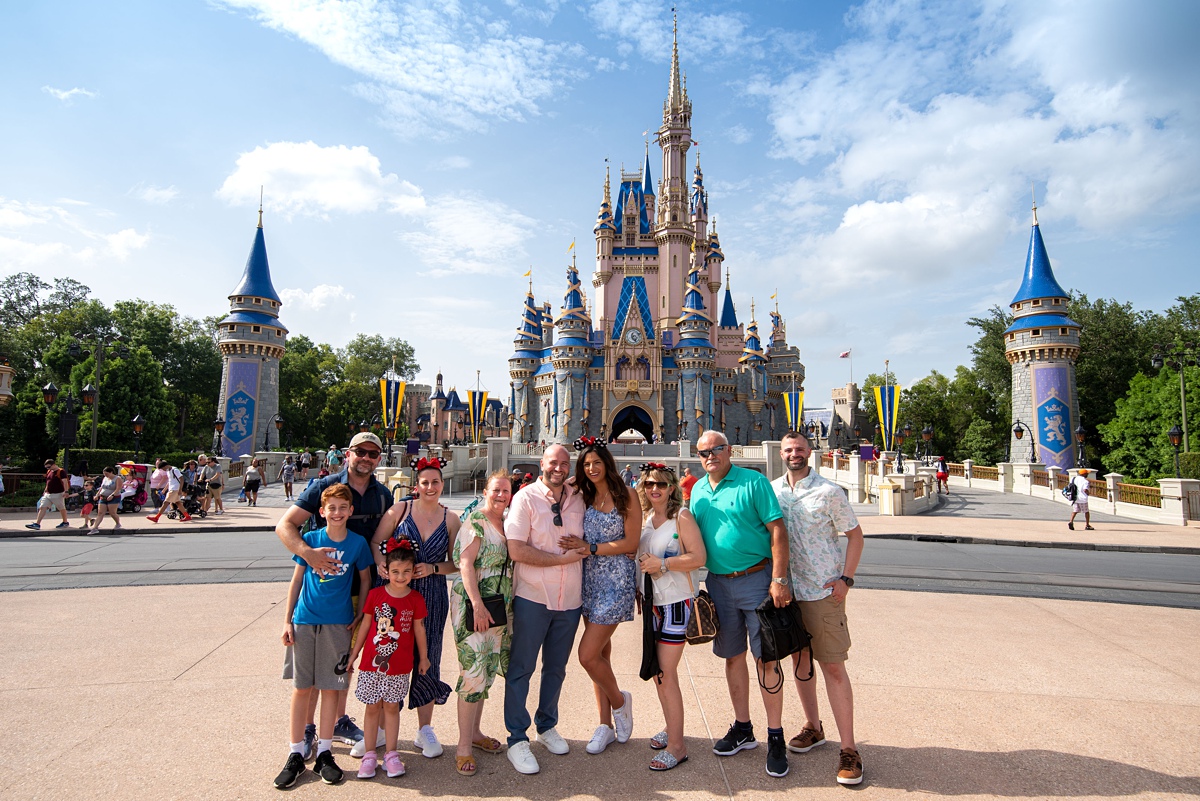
pixel 366 453
pixel 707 452
pixel 656 484
pixel 556 508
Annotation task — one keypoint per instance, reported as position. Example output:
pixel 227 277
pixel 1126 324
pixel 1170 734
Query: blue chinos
pixel 537 629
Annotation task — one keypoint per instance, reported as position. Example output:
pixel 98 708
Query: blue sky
pixel 873 161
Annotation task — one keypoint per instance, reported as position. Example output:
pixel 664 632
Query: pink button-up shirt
pixel 530 520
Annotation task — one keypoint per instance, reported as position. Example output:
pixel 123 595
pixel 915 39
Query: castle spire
pixel 675 89
pixel 752 352
pixel 728 313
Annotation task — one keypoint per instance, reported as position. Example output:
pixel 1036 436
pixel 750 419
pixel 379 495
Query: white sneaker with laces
pixel 623 718
pixel 522 758
pixel 554 742
pixel 427 741
pixel 603 738
pixel 360 748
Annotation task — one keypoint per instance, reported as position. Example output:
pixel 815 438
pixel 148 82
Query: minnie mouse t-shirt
pixel 389 645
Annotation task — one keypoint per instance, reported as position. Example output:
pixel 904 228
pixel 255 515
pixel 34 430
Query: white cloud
pixel 320 298
pixel 19 252
pixel 122 243
pixel 646 25
pixel 67 95
pixel 429 65
pixel 739 134
pixel 158 195
pixel 307 179
pixel 469 234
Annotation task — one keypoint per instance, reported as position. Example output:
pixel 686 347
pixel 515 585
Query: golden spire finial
pixel 1033 191
pixel 260 205
pixel 752 321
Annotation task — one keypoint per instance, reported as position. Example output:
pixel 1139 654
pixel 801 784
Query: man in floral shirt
pixel 815 510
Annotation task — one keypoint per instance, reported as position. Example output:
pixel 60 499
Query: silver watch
pixel 779 580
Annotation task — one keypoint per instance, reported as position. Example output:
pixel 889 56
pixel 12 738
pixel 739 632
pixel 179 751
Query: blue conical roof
pixel 573 308
pixel 728 315
pixel 256 280
pixel 647 181
pixel 693 301
pixel 752 352
pixel 1039 279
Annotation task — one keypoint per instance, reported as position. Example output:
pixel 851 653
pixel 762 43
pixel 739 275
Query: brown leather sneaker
pixel 807 739
pixel 849 767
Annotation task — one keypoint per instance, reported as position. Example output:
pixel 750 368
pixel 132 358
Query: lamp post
pixel 139 425
pixel 1080 436
pixel 1178 358
pixel 1176 435
pixel 278 421
pixel 218 429
pixel 900 436
pixel 857 433
pixel 390 431
pixel 68 423
pixel 837 430
pixel 1019 430
pixel 927 440
pixel 100 343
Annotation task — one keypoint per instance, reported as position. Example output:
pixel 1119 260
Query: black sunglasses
pixel 707 452
pixel 656 484
pixel 367 453
pixel 556 508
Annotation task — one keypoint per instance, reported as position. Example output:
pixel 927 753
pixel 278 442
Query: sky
pixel 873 162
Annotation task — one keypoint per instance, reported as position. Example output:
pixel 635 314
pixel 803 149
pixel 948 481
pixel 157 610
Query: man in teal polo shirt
pixel 746 540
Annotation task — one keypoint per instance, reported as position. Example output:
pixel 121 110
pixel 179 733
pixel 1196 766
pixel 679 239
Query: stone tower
pixel 251 340
pixel 1042 345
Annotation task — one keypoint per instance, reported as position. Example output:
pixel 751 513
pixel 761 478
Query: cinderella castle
pixel 652 354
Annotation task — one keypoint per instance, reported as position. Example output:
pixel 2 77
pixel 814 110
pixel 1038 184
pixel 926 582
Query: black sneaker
pixel 735 740
pixel 327 769
pixel 777 761
pixel 292 770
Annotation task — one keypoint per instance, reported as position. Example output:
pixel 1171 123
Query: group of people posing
pixel 376 581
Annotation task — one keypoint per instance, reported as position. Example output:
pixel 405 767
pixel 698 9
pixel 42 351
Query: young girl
pixel 393 619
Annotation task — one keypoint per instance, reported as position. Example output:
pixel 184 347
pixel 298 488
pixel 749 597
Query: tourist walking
pixel 547 604
pixel 287 474
pixel 158 483
pixel 430 527
pixel 686 483
pixel 172 498
pixel 251 481
pixel 483 643
pixel 108 499
pixel 671 551
pixel 213 479
pixel 611 530
pixel 943 475
pixel 335 456
pixel 54 496
pixel 1083 489
pixel 815 510
pixel 305 463
pixel 746 546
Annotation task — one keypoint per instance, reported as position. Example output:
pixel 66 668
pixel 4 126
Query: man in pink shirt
pixel 158 484
pixel 548 590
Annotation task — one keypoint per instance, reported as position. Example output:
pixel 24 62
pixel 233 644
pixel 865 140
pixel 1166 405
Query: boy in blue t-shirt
pixel 320 619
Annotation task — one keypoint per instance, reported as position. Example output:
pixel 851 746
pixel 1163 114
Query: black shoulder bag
pixel 782 633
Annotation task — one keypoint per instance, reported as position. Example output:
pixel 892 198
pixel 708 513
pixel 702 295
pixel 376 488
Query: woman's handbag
pixel 782 633
pixel 494 604
pixel 703 625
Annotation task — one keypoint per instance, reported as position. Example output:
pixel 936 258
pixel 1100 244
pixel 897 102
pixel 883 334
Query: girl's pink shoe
pixel 393 765
pixel 370 762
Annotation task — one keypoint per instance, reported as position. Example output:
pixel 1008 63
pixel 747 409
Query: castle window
pixel 1057 301
pixel 1017 307
pixel 629 239
pixel 1037 303
pixel 258 301
pixel 1037 332
pixel 1011 337
pixel 257 329
pixel 1062 332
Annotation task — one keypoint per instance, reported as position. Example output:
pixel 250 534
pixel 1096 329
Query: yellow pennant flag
pixel 775 295
pixel 527 273
pixel 571 246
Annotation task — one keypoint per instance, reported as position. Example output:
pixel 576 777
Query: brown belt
pixel 738 573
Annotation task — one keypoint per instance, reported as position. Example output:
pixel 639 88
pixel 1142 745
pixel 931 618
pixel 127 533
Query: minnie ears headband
pixel 657 466
pixel 590 442
pixel 396 544
pixel 431 463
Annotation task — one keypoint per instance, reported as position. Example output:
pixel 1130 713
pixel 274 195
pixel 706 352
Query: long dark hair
pixel 612 477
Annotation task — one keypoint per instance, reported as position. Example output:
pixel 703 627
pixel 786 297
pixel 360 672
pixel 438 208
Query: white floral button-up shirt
pixel 815 511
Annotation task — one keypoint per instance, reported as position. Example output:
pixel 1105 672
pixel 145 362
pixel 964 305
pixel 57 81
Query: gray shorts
pixel 319 658
pixel 52 501
pixel 736 599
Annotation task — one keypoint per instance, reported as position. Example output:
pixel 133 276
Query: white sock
pixel 324 745
pixel 298 748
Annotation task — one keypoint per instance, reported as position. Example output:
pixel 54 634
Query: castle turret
pixel 674 234
pixel 605 230
pixel 252 341
pixel 1042 345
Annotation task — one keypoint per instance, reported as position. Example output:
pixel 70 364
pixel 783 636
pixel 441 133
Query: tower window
pixel 256 329
pixel 1062 332
pixel 1037 332
pixel 1037 303
pixel 1057 301
pixel 258 301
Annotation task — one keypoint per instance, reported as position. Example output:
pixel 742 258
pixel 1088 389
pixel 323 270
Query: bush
pixel 1189 464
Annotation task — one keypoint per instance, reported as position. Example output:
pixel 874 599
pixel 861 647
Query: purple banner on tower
pixel 1052 412
pixel 241 401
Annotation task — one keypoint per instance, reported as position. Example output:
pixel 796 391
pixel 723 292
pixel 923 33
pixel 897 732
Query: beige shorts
pixel 826 624
pixel 172 497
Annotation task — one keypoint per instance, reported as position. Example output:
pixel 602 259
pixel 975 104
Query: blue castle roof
pixel 1039 279
pixel 728 315
pixel 253 318
pixel 1041 321
pixel 647 182
pixel 256 280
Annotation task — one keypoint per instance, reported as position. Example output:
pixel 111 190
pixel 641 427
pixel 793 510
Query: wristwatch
pixel 592 548
pixel 779 580
pixel 848 579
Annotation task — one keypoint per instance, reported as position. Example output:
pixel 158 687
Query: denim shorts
pixel 736 599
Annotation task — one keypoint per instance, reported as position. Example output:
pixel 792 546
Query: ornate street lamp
pixel 1177 358
pixel 139 425
pixel 1175 435
pixel 900 436
pixel 857 433
pixel 390 432
pixel 927 439
pixel 1080 436
pixel 219 428
pixel 99 342
pixel 67 424
pixel 1019 430
pixel 837 430
pixel 364 426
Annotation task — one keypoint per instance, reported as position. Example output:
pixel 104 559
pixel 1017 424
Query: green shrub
pixel 1189 464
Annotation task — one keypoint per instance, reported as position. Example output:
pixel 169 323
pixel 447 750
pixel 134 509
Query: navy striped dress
pixel 433 588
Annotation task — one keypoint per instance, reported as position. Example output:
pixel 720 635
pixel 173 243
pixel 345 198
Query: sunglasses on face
pixel 556 508
pixel 707 452
pixel 366 453
pixel 656 484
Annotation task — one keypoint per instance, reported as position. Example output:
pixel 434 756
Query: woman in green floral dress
pixel 482 555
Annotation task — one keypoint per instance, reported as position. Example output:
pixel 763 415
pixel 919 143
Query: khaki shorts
pixel 52 501
pixel 172 497
pixel 826 624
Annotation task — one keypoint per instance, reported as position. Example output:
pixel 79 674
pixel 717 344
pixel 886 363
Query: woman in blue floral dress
pixel 611 531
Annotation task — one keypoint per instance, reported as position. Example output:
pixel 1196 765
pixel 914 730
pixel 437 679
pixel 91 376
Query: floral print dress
pixel 482 655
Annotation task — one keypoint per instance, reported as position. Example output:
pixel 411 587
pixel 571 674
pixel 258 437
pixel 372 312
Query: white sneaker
pixel 603 738
pixel 623 718
pixel 554 742
pixel 522 758
pixel 427 741
pixel 360 747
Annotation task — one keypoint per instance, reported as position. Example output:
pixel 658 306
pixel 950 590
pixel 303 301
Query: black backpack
pixel 1070 492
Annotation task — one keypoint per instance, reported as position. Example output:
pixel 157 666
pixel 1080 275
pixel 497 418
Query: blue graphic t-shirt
pixel 325 600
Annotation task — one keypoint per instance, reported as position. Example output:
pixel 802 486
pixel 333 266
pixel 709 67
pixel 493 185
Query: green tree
pixel 1137 434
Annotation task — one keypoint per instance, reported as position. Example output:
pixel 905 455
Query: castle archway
pixel 635 417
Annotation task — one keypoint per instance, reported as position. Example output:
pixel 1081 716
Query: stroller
pixel 133 495
pixel 190 496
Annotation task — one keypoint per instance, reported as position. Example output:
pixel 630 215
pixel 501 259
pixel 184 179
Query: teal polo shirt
pixel 733 519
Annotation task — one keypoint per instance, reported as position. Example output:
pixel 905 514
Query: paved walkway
pixel 170 692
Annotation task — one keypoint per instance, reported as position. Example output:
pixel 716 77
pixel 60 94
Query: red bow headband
pixel 396 544
pixel 589 442
pixel 431 463
pixel 656 466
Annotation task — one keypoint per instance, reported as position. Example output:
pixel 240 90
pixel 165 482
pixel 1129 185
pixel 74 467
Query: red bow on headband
pixel 657 466
pixel 433 462
pixel 396 543
pixel 589 442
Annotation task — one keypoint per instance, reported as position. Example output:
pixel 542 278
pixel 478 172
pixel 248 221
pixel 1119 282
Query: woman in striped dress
pixel 431 528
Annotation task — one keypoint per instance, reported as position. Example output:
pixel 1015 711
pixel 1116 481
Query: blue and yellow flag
pixel 476 408
pixel 391 389
pixel 793 407
pixel 887 406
